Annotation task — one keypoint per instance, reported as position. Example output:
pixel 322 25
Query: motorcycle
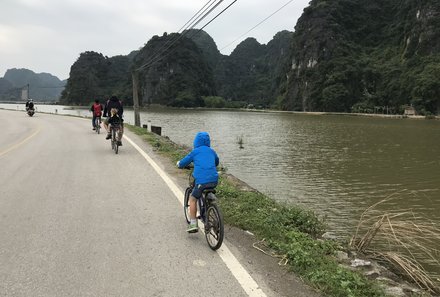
pixel 30 112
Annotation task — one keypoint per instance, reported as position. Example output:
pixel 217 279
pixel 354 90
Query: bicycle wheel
pixel 115 135
pixel 214 229
pixel 186 204
pixel 97 126
pixel 113 139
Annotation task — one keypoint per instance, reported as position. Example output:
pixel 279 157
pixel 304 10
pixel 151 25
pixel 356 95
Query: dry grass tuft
pixel 402 239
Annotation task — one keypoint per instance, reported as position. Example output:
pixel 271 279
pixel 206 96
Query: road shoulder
pixel 274 279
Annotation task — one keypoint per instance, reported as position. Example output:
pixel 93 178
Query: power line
pixel 215 17
pixel 156 56
pixel 167 54
pixel 257 25
pixel 206 14
pixel 195 15
pixel 157 52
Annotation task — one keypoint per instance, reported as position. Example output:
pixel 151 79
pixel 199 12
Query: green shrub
pixel 214 101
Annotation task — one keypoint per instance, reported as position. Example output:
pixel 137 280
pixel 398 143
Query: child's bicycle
pixel 114 130
pixel 97 124
pixel 209 214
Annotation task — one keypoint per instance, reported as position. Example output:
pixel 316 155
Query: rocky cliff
pixel 94 76
pixel 173 71
pixel 355 55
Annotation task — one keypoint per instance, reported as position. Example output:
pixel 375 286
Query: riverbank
pixel 294 236
pixel 372 115
pixel 291 234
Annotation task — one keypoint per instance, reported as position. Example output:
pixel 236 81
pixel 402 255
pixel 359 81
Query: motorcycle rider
pixel 29 104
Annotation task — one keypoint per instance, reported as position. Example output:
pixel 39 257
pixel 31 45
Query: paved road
pixel 69 228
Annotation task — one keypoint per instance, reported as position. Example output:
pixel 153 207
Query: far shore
pixel 145 108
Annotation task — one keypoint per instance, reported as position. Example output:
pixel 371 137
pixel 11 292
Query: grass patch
pixel 292 233
pixel 161 144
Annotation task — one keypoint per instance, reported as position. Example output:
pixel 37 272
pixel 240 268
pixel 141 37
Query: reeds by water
pixel 402 239
pixel 240 141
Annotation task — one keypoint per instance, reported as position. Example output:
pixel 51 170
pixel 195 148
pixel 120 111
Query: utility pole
pixel 137 118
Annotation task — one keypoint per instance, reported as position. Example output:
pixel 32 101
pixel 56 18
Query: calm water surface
pixel 335 165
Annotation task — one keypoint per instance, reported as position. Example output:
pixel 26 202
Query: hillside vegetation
pixel 354 55
pixel 344 56
pixel 94 76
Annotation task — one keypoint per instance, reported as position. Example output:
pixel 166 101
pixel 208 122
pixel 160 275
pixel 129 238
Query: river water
pixel 332 164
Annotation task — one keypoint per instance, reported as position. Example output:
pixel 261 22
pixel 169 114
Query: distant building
pixel 409 111
pixel 25 93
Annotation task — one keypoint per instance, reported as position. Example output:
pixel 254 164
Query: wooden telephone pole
pixel 137 118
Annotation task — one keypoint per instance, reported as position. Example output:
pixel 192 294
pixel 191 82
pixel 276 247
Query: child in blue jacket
pixel 205 174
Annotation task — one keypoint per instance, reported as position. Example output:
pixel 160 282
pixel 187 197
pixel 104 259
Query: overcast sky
pixel 49 35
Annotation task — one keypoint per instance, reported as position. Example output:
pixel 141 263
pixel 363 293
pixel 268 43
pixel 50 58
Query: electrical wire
pixel 214 18
pixel 256 25
pixel 167 54
pixel 169 41
pixel 156 56
pixel 195 15
pixel 206 14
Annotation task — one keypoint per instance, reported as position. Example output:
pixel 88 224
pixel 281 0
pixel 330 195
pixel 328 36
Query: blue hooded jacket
pixel 205 160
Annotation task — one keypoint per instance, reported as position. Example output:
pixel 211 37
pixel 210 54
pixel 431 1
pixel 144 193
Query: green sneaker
pixel 192 228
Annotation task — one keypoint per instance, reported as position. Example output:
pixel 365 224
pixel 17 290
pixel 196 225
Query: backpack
pixel 97 109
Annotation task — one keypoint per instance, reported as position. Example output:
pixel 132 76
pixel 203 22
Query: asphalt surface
pixel 78 220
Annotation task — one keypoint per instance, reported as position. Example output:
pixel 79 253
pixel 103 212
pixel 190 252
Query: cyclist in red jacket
pixel 96 109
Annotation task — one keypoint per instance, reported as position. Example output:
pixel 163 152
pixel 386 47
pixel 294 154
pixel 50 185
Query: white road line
pixel 238 271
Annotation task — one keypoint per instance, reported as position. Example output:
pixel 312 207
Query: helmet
pixel 30 100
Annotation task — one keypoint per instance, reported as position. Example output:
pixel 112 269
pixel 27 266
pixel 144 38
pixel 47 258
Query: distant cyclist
pixel 96 109
pixel 113 102
pixel 205 174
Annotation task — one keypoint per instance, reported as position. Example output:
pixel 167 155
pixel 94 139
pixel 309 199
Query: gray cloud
pixel 49 35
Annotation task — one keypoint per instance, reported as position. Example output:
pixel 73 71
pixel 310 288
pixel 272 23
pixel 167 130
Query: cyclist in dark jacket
pixel 113 102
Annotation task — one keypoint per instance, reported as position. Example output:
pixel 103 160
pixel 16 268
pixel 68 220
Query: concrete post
pixel 137 118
